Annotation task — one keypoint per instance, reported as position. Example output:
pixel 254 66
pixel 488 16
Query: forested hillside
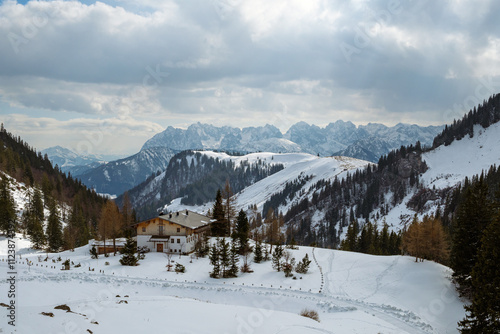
pixel 46 187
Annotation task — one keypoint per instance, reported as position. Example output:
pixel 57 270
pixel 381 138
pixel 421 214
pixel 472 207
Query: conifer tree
pixel 241 232
pixel 219 226
pixel 473 215
pixel 128 257
pixel 235 258
pixel 54 228
pixel 229 206
pixel 303 265
pixel 7 207
pixel 484 311
pixel 413 240
pixel 33 219
pixel 278 258
pixel 215 259
pixel 225 257
pixel 258 257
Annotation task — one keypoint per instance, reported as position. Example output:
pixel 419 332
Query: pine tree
pixel 258 257
pixel 484 311
pixel 350 243
pixel 128 257
pixel 54 228
pixel 7 207
pixel 277 257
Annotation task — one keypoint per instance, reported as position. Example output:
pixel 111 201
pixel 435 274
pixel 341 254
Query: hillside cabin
pixel 175 232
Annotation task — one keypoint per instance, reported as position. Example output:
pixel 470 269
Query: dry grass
pixel 310 314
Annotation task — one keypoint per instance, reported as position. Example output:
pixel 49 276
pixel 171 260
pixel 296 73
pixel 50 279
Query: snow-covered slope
pixel 118 176
pixel 449 165
pixel 303 166
pixel 352 293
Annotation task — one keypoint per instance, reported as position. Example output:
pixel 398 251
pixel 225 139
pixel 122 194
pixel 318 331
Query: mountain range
pixel 339 138
pixel 366 142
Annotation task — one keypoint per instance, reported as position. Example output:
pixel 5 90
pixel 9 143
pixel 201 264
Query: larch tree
pixel 109 223
pixel 413 240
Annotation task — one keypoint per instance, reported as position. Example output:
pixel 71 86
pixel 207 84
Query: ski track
pixel 403 319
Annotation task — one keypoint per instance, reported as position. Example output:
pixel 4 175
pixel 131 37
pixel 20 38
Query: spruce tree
pixel 277 258
pixel 54 228
pixel 34 217
pixel 241 232
pixel 7 207
pixel 235 258
pixel 473 215
pixel 218 227
pixel 225 257
pixel 128 257
pixel 214 257
pixel 484 311
pixel 258 257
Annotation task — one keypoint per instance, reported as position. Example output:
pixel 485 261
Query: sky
pixel 103 77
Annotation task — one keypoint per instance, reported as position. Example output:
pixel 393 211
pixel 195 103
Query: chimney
pixel 177 213
pixel 161 213
pixel 170 215
pixel 187 212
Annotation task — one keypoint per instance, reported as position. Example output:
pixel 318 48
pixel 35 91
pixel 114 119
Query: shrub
pixel 179 268
pixel 310 314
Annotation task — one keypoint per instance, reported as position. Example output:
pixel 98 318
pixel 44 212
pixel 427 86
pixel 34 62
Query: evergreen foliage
pixel 370 241
pixel 224 258
pixel 484 311
pixel 278 258
pixel 220 227
pixel 179 268
pixel 473 215
pixel 303 266
pixel 33 217
pixel 54 229
pixel 128 253
pixel 241 233
pixel 258 256
pixel 7 206
pixel 93 252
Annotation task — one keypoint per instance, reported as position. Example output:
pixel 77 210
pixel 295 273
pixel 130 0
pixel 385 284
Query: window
pixel 178 241
pixel 172 240
pixel 178 229
pixel 143 229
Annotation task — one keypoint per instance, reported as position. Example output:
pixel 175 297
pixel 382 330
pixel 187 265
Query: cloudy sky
pixel 104 77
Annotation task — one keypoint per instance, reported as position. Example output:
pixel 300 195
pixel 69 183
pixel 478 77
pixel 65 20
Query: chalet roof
pixel 187 218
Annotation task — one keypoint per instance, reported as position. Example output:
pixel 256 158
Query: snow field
pixel 359 294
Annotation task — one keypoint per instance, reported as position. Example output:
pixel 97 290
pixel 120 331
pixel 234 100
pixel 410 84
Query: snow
pixel 449 165
pixel 352 293
pixel 297 165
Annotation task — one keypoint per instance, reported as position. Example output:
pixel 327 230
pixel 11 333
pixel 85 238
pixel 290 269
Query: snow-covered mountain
pixel 301 137
pixel 74 163
pixel 118 176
